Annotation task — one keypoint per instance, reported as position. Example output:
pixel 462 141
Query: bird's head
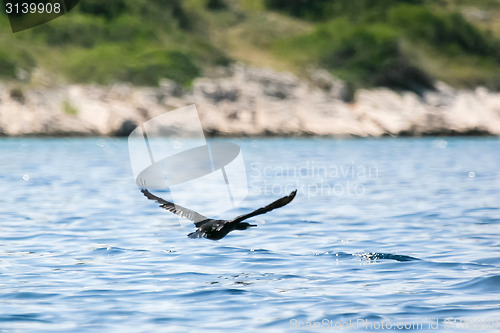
pixel 244 226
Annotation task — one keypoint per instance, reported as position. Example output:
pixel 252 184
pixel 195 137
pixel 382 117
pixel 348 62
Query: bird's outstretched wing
pixel 176 209
pixel 276 204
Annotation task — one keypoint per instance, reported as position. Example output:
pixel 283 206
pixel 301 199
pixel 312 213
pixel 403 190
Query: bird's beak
pixel 252 225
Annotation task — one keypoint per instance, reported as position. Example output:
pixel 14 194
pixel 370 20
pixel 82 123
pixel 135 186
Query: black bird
pixel 216 229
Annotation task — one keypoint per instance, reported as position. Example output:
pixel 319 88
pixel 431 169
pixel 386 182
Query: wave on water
pixel 374 256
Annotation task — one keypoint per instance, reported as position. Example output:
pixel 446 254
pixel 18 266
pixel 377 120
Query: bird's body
pixel 216 229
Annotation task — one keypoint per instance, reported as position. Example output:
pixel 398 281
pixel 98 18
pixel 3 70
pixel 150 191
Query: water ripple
pixel 82 250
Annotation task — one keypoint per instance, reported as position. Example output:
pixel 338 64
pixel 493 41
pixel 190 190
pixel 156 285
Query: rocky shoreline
pixel 246 101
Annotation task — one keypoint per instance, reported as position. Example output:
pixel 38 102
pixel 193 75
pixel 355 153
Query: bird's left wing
pixel 276 204
pixel 176 209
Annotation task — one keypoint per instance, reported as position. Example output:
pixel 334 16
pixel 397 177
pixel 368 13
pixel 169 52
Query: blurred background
pixel 401 44
pixel 299 67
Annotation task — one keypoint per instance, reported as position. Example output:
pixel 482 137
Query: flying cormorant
pixel 216 229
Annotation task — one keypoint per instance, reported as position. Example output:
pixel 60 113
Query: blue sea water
pixel 384 235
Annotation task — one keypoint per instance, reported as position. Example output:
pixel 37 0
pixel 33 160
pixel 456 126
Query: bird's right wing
pixel 276 204
pixel 176 209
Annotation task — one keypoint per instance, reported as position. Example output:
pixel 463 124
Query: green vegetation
pixel 8 65
pixel 392 43
pixel 402 44
pixel 449 31
pixel 13 61
pixel 69 109
pixel 216 4
pixel 137 41
pixel 358 10
pixel 364 55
